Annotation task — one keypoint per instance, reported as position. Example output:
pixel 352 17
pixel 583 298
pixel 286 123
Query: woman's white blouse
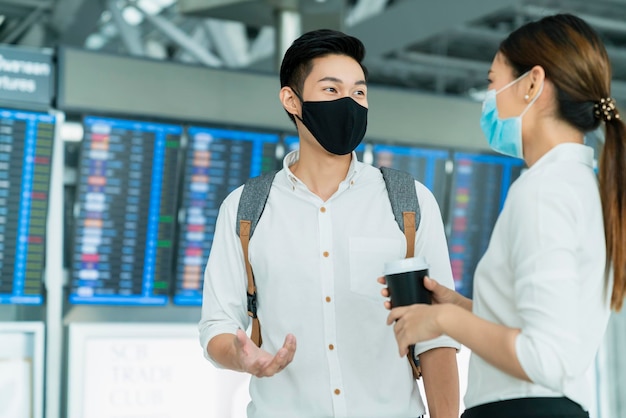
pixel 543 273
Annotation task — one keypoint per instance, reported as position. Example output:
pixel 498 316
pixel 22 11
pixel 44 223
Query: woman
pixel 556 262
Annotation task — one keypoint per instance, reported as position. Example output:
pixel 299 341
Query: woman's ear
pixel 289 100
pixel 536 79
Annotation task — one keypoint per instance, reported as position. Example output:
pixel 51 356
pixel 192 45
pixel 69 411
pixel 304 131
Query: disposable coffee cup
pixel 405 281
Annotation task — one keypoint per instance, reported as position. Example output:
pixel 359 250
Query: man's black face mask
pixel 338 125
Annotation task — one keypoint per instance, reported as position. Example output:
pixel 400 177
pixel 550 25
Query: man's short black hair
pixel 297 62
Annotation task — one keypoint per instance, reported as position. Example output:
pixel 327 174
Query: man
pixel 324 236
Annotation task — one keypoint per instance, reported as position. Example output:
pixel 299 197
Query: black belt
pixel 528 408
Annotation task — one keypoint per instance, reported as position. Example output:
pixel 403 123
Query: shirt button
pixel 331 347
pixel 325 254
pixel 337 391
pixel 323 209
pixel 352 183
pixel 327 298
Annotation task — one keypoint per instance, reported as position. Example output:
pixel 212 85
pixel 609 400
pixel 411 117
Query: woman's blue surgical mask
pixel 504 135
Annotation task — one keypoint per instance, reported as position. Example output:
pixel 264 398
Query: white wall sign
pixel 16 388
pixel 152 376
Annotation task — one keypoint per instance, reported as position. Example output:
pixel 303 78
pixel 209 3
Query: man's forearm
pixel 441 382
pixel 221 348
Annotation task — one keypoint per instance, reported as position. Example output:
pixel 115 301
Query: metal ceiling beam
pixel 254 13
pixel 230 40
pixel 445 62
pixel 405 70
pixel 46 4
pixel 35 36
pixel 263 56
pixel 180 38
pixel 14 10
pixel 364 9
pixel 408 22
pixel 23 26
pixel 75 20
pixel 263 45
pixel 200 37
pixel 598 22
pixel 130 35
pixel 429 66
pixel 64 13
pixel 328 14
pixel 494 37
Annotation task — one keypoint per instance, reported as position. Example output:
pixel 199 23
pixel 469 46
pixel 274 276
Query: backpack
pixel 400 188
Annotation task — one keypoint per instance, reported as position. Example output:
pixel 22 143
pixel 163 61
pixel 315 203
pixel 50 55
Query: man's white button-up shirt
pixel 315 264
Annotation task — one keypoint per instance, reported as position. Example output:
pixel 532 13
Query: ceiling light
pixel 132 16
pixel 95 41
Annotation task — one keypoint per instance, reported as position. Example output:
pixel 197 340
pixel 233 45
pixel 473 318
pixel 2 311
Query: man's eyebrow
pixel 333 79
pixel 336 80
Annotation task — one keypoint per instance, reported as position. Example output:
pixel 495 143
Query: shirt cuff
pixel 439 342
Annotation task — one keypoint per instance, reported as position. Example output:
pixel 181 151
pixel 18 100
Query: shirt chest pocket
pixel 367 261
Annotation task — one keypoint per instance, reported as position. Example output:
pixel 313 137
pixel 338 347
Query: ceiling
pixel 441 47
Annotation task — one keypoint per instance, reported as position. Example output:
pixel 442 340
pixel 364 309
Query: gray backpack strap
pixel 402 195
pixel 251 204
pixel 253 199
pixel 406 210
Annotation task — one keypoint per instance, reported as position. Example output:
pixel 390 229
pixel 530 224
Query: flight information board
pixel 217 162
pixel 126 204
pixel 479 187
pixel 427 165
pixel 26 141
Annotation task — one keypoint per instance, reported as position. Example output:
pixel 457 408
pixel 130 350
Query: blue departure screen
pixel 427 165
pixel 26 141
pixel 479 188
pixel 126 204
pixel 216 163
